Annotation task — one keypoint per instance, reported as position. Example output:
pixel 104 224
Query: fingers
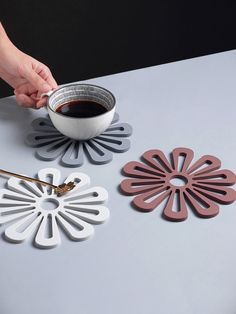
pixel 41 103
pixel 39 80
pixel 46 74
pixel 29 101
pixel 25 101
pixel 32 100
pixel 26 89
pixel 36 80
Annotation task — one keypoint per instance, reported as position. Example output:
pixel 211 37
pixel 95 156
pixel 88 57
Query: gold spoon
pixel 59 190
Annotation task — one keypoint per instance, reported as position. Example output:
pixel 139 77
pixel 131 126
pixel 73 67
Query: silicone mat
pixel 51 144
pixel 199 186
pixel 41 213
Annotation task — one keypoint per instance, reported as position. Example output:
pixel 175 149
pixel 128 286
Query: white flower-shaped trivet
pixel 40 212
pixel 51 144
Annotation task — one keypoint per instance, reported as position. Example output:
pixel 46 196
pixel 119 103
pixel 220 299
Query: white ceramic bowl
pixel 81 128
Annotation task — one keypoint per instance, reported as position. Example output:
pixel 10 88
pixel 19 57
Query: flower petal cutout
pixel 201 185
pixel 51 144
pixel 75 213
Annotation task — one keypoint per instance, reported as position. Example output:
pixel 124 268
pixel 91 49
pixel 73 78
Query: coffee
pixel 81 109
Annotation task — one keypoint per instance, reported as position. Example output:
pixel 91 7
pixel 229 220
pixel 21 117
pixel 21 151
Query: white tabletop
pixel 136 262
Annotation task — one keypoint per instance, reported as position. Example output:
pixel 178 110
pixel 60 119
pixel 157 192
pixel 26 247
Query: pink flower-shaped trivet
pixel 201 185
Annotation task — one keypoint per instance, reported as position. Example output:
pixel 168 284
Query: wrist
pixel 5 44
pixel 4 39
pixel 5 47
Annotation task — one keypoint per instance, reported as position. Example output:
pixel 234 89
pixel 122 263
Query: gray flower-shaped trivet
pixel 51 144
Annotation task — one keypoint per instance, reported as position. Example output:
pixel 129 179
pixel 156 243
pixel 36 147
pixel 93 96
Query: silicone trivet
pixel 51 144
pixel 75 212
pixel 203 185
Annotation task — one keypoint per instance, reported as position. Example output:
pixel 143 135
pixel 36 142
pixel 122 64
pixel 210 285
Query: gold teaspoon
pixel 59 190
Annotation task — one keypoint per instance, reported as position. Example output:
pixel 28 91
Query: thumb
pixel 36 81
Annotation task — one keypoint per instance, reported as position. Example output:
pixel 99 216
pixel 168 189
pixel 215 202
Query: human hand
pixel 29 77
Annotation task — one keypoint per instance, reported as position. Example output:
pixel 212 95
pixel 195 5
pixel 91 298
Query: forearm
pixel 4 40
pixel 6 55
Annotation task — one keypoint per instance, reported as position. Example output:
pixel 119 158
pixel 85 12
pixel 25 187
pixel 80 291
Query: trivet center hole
pixel 49 204
pixel 178 181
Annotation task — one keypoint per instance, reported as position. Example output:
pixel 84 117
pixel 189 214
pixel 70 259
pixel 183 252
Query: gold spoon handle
pixel 27 178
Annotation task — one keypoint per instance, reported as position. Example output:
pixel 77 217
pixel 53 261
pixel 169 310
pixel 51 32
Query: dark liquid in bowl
pixel 81 109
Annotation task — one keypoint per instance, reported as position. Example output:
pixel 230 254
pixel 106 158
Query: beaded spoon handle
pixel 59 190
